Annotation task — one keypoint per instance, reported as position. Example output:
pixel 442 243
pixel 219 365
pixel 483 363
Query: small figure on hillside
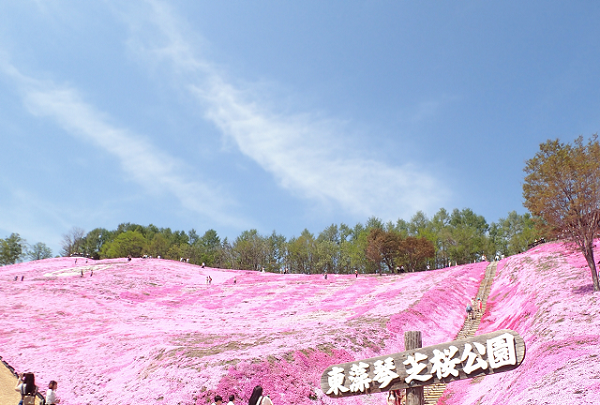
pixel 81 273
pixel 234 280
pixel 263 270
pixel 51 398
pixel 218 400
pixel 26 387
pixel 129 258
pixel 402 269
pixel 75 261
pixel 428 268
pixel 202 265
pixel 325 274
pixel 86 260
pixel 209 280
pixel 231 399
pixel 469 310
pixel 356 273
pixel 257 397
pixel 22 278
pixel 479 304
pixel 16 278
pixel 92 273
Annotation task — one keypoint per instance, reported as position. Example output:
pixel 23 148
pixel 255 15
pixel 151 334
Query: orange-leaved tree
pixel 562 190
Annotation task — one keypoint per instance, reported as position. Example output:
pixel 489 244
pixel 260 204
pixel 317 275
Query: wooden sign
pixel 495 352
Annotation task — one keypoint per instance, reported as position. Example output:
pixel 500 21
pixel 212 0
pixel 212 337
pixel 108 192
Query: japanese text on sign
pixel 454 360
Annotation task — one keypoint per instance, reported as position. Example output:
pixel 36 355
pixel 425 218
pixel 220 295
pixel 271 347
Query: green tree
pixel 211 246
pixel 159 246
pixel 301 253
pixel 92 242
pixel 39 251
pixel 562 190
pixel 129 243
pixel 12 249
pixel 249 250
pixel 328 249
pixel 513 234
pixel 439 225
pixel 345 249
pixel 225 257
pixel 275 251
pixel 466 236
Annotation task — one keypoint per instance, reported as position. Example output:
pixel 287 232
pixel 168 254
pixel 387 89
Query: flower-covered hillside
pixel 545 295
pixel 154 331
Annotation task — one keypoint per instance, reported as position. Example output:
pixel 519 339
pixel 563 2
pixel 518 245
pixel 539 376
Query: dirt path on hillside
pixel 8 395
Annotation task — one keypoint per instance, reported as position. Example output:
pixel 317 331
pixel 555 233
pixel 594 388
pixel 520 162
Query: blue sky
pixel 281 116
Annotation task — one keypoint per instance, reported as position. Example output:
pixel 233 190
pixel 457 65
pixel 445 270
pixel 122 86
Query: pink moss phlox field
pixel 545 295
pixel 153 331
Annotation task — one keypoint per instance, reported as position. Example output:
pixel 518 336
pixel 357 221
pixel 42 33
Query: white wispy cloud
pixel 309 156
pixel 143 163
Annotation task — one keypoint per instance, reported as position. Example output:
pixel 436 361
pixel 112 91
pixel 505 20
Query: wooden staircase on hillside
pixel 433 392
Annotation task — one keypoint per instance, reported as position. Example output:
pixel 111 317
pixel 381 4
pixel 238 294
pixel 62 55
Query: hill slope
pixel 546 295
pixel 153 331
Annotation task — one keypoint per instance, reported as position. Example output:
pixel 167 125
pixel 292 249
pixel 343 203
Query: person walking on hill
pixel 26 387
pixel 51 398
pixel 257 397
pixel 469 310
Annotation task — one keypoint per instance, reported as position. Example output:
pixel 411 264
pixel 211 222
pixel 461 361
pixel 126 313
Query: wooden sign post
pixel 495 352
pixel 412 340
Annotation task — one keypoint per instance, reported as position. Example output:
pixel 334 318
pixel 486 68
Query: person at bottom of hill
pixel 396 397
pixel 218 400
pixel 26 387
pixel 257 397
pixel 469 310
pixel 51 398
pixel 231 399
pixel 480 304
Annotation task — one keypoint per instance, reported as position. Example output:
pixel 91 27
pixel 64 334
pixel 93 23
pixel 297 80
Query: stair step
pixel 433 393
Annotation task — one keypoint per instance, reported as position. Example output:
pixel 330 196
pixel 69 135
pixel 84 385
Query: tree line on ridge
pixel 456 237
